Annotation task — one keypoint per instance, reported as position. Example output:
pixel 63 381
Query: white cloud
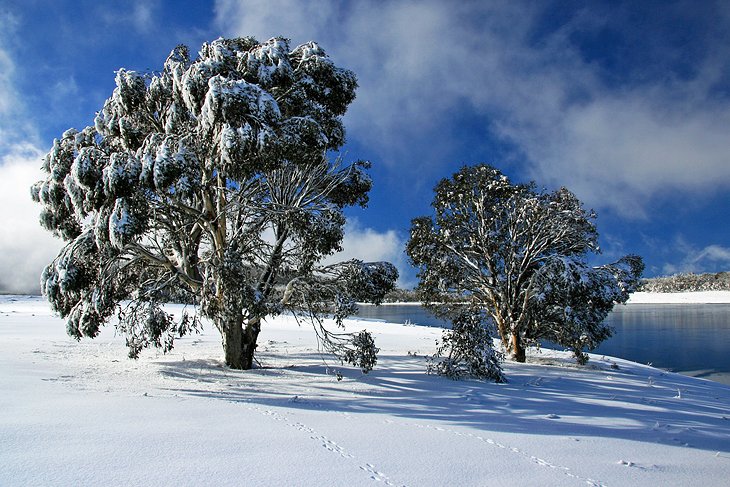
pixel 711 258
pixel 143 15
pixel 8 94
pixel 423 64
pixel 65 88
pixel 25 247
pixel 6 69
pixel 620 150
pixel 370 245
pixel 714 253
pixel 138 14
pixel 15 129
pixel 264 19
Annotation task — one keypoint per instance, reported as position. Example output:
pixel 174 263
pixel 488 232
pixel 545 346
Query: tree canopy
pixel 212 179
pixel 521 254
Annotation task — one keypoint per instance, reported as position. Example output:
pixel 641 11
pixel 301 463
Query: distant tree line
pixel 402 296
pixel 679 283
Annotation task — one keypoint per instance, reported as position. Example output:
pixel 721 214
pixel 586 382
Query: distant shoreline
pixel 687 297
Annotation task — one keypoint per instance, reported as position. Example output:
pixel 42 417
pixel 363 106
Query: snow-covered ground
pixel 700 297
pixel 83 414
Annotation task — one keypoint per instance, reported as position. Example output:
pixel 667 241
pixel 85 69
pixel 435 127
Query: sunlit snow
pixel 83 414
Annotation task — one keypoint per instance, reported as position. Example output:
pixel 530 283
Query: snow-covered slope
pixel 83 414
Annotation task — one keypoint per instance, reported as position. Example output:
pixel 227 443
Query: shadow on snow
pixel 657 407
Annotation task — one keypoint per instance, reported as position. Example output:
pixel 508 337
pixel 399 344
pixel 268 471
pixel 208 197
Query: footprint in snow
pixel 375 475
pixel 627 463
pixel 333 447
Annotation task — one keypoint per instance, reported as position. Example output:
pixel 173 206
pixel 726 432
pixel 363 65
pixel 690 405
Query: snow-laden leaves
pixel 236 103
pixel 121 175
pixel 268 63
pixel 366 281
pixel 364 353
pixel 126 222
pixel 145 323
pixel 571 299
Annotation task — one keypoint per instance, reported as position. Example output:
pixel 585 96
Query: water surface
pixel 692 339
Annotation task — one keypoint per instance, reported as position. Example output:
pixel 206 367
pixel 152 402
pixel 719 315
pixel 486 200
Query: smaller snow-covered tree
pixel 521 255
pixel 466 350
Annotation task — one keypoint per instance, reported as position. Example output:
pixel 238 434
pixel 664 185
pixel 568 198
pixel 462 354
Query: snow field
pixel 83 414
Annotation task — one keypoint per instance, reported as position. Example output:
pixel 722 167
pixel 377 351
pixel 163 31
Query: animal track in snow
pixel 327 443
pixel 375 475
pixel 517 451
pixel 333 447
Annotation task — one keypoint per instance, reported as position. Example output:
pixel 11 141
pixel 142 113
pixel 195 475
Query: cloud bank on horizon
pixel 627 105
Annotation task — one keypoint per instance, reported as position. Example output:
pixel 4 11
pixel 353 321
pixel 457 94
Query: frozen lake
pixel 692 339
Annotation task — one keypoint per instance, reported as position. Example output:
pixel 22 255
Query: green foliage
pixel 145 323
pixel 572 299
pixel 364 353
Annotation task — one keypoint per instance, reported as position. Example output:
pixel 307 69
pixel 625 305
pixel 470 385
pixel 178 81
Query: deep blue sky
pixel 625 103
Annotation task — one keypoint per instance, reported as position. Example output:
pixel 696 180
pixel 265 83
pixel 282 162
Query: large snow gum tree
pixel 212 180
pixel 519 256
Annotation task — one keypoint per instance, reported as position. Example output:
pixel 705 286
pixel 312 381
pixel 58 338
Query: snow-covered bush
pixel 466 351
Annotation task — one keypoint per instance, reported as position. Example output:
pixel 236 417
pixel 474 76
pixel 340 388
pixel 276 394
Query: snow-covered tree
pixel 212 179
pixel 520 254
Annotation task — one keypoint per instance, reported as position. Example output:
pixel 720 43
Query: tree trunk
pixel 239 343
pixel 502 329
pixel 516 347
